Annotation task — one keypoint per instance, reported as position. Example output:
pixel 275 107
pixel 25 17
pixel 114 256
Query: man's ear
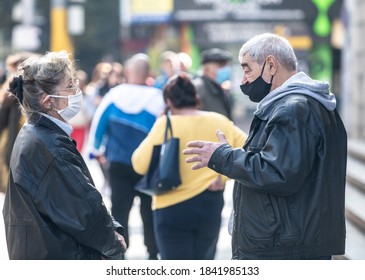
pixel 273 64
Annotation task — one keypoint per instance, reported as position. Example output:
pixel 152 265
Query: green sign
pixel 322 24
pixel 321 62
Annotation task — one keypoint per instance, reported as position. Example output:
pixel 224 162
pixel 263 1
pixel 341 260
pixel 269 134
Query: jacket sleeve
pixel 68 198
pixel 278 166
pixel 236 137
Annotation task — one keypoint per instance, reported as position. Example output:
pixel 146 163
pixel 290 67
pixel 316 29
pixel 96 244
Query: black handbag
pixel 163 173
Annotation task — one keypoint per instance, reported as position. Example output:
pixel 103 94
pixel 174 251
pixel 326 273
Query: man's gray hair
pixel 261 46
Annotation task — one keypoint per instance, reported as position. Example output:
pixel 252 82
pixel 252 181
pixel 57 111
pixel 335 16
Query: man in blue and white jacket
pixel 122 120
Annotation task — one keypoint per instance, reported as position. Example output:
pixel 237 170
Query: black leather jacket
pixel 289 182
pixel 52 209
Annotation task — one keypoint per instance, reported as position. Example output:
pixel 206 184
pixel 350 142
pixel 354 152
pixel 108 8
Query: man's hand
pixel 202 151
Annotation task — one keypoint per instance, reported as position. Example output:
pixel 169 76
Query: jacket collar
pixel 46 122
pixel 64 126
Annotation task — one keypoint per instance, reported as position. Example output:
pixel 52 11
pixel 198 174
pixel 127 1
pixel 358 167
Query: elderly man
pixel 290 174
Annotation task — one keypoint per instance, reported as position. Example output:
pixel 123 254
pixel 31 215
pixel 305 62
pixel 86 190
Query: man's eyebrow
pixel 245 64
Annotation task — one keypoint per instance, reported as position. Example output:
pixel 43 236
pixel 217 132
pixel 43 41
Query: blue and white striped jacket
pixel 123 119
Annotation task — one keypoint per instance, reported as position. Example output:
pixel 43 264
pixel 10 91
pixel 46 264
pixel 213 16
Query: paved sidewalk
pixel 137 250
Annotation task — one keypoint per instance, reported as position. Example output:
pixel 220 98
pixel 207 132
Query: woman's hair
pixel 38 75
pixel 261 46
pixel 181 91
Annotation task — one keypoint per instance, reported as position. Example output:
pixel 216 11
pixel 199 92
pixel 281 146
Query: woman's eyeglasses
pixel 74 86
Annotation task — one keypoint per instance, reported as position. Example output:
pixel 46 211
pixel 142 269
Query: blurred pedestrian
pixel 169 66
pixel 116 76
pixel 213 84
pixel 105 76
pixel 11 118
pixel 99 76
pixel 289 194
pixel 81 122
pixel 52 209
pixel 185 62
pixel 122 120
pixel 187 219
pixel 2 76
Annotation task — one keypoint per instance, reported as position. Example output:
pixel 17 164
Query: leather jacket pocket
pixel 262 226
pixel 258 221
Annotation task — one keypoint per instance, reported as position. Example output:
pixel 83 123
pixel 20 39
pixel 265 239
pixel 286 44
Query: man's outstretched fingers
pixel 197 166
pixel 197 144
pixel 192 159
pixel 192 151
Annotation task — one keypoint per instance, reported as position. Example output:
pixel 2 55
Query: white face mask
pixel 74 105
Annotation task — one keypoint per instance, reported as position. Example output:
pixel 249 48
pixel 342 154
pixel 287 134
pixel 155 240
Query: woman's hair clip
pixel 16 87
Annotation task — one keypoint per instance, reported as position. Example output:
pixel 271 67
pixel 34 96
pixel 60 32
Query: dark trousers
pixel 189 230
pixel 122 180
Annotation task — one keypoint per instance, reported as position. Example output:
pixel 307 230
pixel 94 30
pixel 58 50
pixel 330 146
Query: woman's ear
pixel 46 102
pixel 169 103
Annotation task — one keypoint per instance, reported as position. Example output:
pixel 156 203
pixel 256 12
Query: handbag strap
pixel 168 126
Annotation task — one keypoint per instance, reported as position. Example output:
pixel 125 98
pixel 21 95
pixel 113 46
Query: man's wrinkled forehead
pixel 246 61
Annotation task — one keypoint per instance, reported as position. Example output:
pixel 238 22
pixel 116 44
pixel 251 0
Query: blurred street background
pixel 327 36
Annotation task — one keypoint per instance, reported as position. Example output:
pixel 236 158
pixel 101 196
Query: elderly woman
pixel 52 209
pixel 187 220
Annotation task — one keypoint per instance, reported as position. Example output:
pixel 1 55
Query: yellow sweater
pixel 187 128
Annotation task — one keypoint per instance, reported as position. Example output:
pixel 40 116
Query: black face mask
pixel 258 89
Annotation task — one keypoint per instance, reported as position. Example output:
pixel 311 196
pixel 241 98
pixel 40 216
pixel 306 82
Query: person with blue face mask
pixel 223 74
pixel 213 85
pixel 290 175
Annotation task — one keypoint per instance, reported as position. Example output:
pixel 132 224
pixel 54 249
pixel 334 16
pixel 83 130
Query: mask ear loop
pixel 50 106
pixel 262 71
pixel 263 68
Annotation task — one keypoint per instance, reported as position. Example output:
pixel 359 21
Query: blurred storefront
pixel 194 25
pixel 115 29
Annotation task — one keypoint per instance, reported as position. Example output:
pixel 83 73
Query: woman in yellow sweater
pixel 187 219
